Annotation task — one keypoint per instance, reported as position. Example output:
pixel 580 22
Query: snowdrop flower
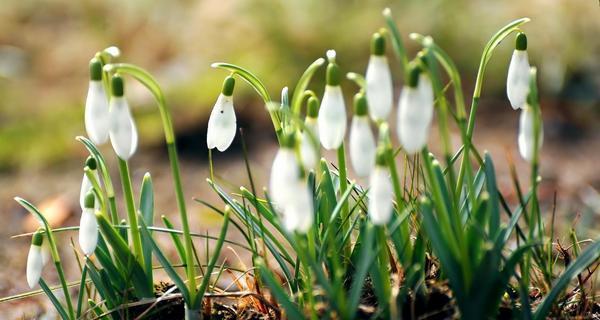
pixel 526 138
pixel 222 122
pixel 362 141
pixel 380 92
pixel 298 212
pixel 97 120
pixel 284 173
pixel 86 184
pixel 35 261
pixel 415 111
pixel 123 132
pixel 517 82
pixel 88 226
pixel 332 114
pixel 309 153
pixel 380 191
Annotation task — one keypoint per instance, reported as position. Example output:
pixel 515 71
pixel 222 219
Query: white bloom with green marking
pixel 222 123
pixel 380 192
pixel 379 89
pixel 97 118
pixel 332 114
pixel 123 132
pixel 308 150
pixel 284 173
pixel 415 112
pixel 517 81
pixel 88 226
pixel 35 261
pixel 362 141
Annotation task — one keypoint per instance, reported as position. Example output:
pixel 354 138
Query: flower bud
pixel 35 262
pixel 222 122
pixel 123 132
pixel 97 120
pixel 332 114
pixel 362 141
pixel 379 87
pixel 88 226
pixel 517 81
pixel 284 172
pixel 380 191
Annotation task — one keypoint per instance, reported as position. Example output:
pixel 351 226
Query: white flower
pixel 309 155
pixel 298 212
pixel 362 141
pixel 123 132
pixel 379 89
pixel 332 114
pixel 46 255
pixel 415 112
pixel 88 226
pixel 380 195
pixel 284 172
pixel 526 138
pixel 35 261
pixel 97 119
pixel 86 184
pixel 517 81
pixel 222 122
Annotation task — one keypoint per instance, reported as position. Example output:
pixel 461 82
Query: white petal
pixel 415 111
pixel 45 252
pixel 123 132
pixel 97 120
pixel 298 213
pixel 517 81
pixel 221 124
pixel 308 152
pixel 425 90
pixel 526 136
pixel 86 186
pixel 284 172
pixel 34 265
pixel 332 118
pixel 88 231
pixel 379 92
pixel 380 196
pixel 362 146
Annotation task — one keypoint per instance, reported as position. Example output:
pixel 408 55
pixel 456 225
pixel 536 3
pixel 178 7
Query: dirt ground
pixel 569 167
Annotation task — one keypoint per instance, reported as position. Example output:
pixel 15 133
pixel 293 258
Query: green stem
pixel 341 155
pixel 404 227
pixel 131 213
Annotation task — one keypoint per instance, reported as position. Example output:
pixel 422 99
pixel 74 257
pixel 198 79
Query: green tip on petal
pixel 118 86
pixel 91 163
pixel 521 42
pixel 412 76
pixel 38 238
pixel 228 86
pixel 95 70
pixel 360 104
pixel 334 76
pixel 380 157
pixel 288 140
pixel 312 107
pixel 378 44
pixel 89 200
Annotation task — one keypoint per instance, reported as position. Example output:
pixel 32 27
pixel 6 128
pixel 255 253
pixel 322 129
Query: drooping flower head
pixel 332 114
pixel 35 261
pixel 308 150
pixel 380 92
pixel 222 122
pixel 362 141
pixel 88 226
pixel 380 191
pixel 415 110
pixel 97 119
pixel 86 184
pixel 517 81
pixel 284 172
pixel 123 132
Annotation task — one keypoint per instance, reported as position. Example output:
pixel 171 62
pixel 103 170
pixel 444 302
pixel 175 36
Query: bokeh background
pixel 45 47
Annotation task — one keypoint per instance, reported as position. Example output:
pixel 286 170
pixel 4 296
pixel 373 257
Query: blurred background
pixel 45 47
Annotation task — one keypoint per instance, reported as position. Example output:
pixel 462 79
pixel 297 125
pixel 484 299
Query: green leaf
pixel 494 222
pixel 396 38
pixel 587 257
pixel 292 310
pixel 59 308
pixel 147 212
pixel 303 84
pixel 175 238
pixel 81 291
pixel 367 257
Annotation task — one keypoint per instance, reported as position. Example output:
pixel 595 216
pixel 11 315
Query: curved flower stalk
pixel 415 111
pixel 97 119
pixel 285 172
pixel 379 89
pixel 308 151
pixel 362 141
pixel 380 191
pixel 86 184
pixel 332 114
pixel 517 82
pixel 88 226
pixel 35 262
pixel 123 132
pixel 222 121
pixel 526 138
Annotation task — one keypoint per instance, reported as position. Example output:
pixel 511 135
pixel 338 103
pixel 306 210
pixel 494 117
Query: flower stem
pixel 341 155
pixel 131 213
